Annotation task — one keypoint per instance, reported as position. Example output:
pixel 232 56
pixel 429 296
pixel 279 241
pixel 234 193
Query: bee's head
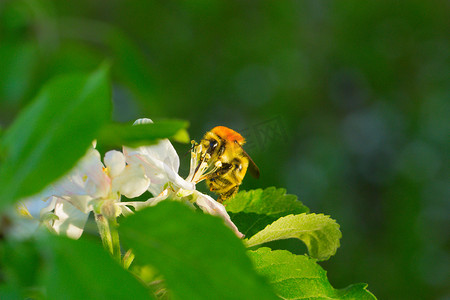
pixel 228 134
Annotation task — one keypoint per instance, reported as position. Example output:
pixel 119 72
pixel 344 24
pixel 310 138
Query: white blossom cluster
pixel 93 185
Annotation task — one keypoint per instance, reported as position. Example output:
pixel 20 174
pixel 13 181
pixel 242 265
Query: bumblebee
pixel 220 160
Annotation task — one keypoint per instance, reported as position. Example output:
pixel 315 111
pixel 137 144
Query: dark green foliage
pixel 197 255
pixel 344 103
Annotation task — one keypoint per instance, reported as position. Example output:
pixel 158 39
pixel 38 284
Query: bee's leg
pixel 218 184
pixel 224 169
pixel 228 194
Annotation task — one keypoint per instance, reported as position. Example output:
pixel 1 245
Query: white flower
pixel 65 205
pixel 161 164
pixel 93 186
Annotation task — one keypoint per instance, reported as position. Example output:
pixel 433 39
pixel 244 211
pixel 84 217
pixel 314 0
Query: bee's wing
pixel 252 167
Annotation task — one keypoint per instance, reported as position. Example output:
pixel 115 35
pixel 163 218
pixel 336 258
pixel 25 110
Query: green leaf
pixel 82 269
pixel 19 262
pixel 320 233
pixel 53 132
pixel 300 277
pixel 199 257
pixel 116 135
pixel 8 292
pixel 270 201
pixel 253 210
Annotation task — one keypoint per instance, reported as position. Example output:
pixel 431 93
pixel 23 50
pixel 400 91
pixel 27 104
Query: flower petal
pixel 132 182
pixel 34 204
pixel 143 121
pixel 51 203
pixel 83 203
pixel 211 206
pixel 161 164
pixel 71 220
pixel 115 162
pixel 98 184
pixel 87 178
pixel 150 202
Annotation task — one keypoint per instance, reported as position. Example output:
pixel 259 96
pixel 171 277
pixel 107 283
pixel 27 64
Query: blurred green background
pixel 343 103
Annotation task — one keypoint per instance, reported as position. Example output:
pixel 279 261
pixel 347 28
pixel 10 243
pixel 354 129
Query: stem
pixel 105 233
pixel 109 234
pixel 115 239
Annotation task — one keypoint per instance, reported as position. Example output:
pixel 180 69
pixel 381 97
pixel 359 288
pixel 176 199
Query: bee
pixel 221 161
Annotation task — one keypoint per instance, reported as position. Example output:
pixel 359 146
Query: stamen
pixel 201 168
pixel 206 174
pixel 195 158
